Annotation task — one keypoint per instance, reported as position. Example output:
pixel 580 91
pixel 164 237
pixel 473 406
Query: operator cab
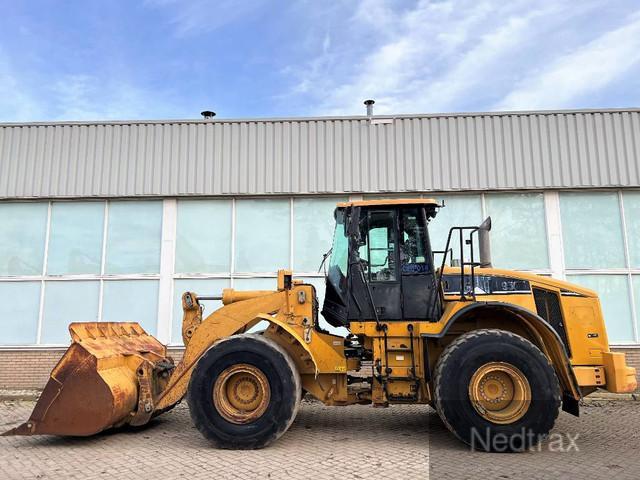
pixel 382 259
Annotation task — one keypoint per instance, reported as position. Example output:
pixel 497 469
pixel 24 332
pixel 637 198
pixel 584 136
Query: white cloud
pixel 16 103
pixel 75 97
pixel 199 16
pixel 464 54
pixel 315 71
pixel 582 71
pixel 327 57
pixel 86 97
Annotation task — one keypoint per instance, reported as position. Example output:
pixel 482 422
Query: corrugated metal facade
pixel 485 151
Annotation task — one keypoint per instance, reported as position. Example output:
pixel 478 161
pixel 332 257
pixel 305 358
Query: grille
pixel 548 307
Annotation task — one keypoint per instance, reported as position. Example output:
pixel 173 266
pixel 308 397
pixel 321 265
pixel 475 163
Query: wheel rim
pixel 500 392
pixel 241 393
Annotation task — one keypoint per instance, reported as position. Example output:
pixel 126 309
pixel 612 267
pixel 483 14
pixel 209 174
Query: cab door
pixel 420 299
pixel 378 256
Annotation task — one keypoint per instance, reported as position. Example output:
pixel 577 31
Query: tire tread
pixel 239 443
pixel 459 343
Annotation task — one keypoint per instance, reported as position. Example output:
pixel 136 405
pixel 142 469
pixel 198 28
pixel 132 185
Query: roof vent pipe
pixel 208 114
pixel 369 103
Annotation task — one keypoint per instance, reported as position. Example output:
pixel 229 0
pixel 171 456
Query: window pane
pixel 262 235
pixel 591 230
pixel 203 237
pixel 313 228
pixel 19 310
pixel 75 244
pixel 379 251
pixel 459 211
pixel 207 287
pixel 413 252
pixel 339 248
pixel 614 296
pixel 131 301
pixel 632 219
pixel 22 238
pixel 66 302
pixel 518 231
pixel 134 236
pixel 255 283
pixel 636 294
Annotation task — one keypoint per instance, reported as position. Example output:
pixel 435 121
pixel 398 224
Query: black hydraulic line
pixel 370 295
pixel 377 364
pixel 324 259
pixel 413 356
pixel 376 369
pixel 427 367
pixel 387 369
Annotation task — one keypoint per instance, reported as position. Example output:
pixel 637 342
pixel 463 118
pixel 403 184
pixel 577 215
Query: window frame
pixel 167 275
pixel 45 239
pixel 231 253
pixel 233 274
pixel 627 270
pixel 45 278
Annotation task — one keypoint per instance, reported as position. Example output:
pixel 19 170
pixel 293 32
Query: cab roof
pixel 390 202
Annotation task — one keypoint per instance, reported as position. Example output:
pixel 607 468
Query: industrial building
pixel 113 221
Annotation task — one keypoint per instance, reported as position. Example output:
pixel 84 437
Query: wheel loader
pixel 495 352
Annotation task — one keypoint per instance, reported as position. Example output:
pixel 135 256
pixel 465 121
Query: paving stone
pixel 403 442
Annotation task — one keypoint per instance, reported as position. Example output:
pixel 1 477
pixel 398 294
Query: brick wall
pixel 29 369
pixel 633 358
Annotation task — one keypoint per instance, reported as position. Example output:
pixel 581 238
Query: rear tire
pixel 480 379
pixel 244 392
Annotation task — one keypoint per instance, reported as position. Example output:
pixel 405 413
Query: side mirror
pixel 485 243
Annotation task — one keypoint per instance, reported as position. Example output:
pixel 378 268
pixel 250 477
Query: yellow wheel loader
pixel 495 352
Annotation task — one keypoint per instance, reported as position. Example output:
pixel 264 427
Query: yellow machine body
pixel 116 374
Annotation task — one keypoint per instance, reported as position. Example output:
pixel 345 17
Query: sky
pixel 171 59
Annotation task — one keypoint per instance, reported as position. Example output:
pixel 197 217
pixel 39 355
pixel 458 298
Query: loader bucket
pixel 98 383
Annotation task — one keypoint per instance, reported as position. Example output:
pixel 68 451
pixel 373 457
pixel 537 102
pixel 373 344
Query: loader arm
pixel 128 378
pixel 226 321
pixel 289 309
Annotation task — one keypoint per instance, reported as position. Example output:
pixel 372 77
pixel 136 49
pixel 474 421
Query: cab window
pixel 413 247
pixel 377 249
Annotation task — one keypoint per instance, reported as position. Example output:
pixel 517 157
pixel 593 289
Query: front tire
pixel 496 391
pixel 244 392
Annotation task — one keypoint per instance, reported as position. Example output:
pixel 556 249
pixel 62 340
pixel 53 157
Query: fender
pixel 326 350
pixel 546 336
pixel 294 332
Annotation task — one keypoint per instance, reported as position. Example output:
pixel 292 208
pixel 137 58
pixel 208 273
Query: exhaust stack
pixel 484 241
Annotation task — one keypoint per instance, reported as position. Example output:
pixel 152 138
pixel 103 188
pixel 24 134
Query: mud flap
pixel 570 404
